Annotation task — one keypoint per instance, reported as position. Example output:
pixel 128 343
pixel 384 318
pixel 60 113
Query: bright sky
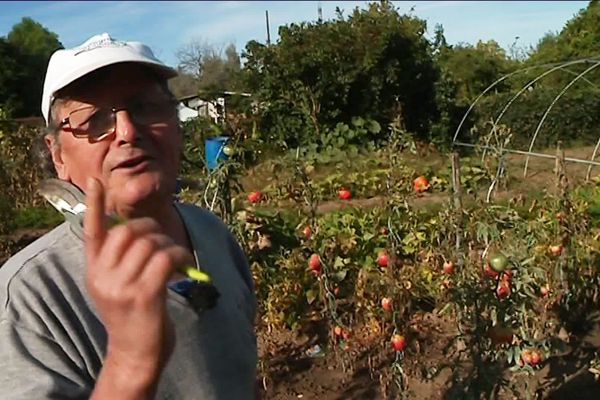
pixel 166 26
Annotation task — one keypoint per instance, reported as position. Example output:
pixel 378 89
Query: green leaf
pixel 368 236
pixel 340 275
pixel 311 295
pixel 358 121
pixel 373 126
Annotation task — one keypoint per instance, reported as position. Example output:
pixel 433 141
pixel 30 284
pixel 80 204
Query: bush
pixel 573 119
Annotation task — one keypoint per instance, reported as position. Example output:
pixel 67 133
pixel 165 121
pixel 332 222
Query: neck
pixel 167 217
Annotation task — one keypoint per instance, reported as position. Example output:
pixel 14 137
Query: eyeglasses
pixel 98 123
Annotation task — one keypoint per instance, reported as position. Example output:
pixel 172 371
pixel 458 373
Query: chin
pixel 143 191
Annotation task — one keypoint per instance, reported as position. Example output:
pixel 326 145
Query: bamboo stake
pixel 458 205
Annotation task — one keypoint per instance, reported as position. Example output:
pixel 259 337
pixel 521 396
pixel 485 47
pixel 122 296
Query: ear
pixel 56 153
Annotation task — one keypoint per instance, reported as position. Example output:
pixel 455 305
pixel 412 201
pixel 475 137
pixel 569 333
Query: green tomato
pixel 498 262
pixel 227 150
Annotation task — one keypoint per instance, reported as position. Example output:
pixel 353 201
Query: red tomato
pixel 489 272
pixel 386 304
pixel 314 263
pixel 253 197
pixel 526 356
pixel 337 330
pixel 383 259
pixel 398 342
pixel 545 290
pixel 344 194
pixel 503 290
pixel 536 357
pixel 345 334
pixel 420 184
pixel 307 232
pixel 336 291
pixel 556 250
pixel 507 275
pixel 448 267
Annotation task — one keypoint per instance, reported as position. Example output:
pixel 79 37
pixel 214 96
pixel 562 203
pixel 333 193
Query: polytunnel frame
pixel 552 67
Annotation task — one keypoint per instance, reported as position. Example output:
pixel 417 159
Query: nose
pixel 125 129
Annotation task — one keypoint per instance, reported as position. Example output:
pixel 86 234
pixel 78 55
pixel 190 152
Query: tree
pixel 375 63
pixel 35 44
pixel 11 77
pixel 465 72
pixel 207 68
pixel 184 84
pixel 474 68
pixel 579 38
pixel 34 39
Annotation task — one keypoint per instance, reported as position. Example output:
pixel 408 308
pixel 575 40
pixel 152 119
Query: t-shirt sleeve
pixel 33 366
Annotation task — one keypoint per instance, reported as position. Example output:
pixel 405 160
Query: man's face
pixel 137 164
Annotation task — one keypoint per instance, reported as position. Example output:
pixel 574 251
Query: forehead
pixel 113 85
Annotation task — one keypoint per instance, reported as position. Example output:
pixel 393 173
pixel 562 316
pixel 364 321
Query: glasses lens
pixel 92 122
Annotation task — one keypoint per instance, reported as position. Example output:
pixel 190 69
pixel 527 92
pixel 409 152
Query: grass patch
pixel 36 218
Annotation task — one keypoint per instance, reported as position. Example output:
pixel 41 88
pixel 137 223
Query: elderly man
pixel 92 313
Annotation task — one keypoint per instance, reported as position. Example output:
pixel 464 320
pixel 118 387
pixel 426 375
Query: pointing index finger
pixel 94 220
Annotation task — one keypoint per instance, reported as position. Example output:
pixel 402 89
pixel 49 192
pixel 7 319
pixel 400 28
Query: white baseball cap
pixel 67 65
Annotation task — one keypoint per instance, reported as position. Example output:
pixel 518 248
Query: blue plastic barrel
pixel 213 151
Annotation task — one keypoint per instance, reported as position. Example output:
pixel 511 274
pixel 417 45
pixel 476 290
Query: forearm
pixel 120 379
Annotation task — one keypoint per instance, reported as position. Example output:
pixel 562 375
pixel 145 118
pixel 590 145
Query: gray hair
pixel 40 148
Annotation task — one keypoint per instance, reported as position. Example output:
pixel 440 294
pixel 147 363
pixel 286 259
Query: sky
pixel 168 26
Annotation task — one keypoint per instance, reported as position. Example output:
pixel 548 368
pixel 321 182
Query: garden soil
pixel 435 367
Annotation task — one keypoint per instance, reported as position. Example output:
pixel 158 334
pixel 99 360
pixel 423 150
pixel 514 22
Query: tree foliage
pixel 465 72
pixel 32 45
pixel 578 39
pixel 474 68
pixel 11 76
pixel 375 64
pixel 563 102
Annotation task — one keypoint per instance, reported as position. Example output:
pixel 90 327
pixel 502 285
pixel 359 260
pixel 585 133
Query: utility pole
pixel 268 31
pixel 319 12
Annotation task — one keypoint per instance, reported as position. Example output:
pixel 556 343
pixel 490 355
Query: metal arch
pixel 592 84
pixel 480 96
pixel 589 170
pixel 490 88
pixel 550 108
pixel 529 84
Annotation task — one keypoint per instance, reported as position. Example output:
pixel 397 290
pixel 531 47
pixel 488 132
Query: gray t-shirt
pixel 52 341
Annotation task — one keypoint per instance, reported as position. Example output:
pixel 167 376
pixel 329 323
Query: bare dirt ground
pixel 434 368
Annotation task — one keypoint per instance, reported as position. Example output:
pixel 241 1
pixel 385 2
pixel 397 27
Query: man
pixel 92 315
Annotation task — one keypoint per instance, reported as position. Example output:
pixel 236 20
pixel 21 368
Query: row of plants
pixel 514 277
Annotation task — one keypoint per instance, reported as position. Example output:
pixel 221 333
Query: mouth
pixel 132 162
